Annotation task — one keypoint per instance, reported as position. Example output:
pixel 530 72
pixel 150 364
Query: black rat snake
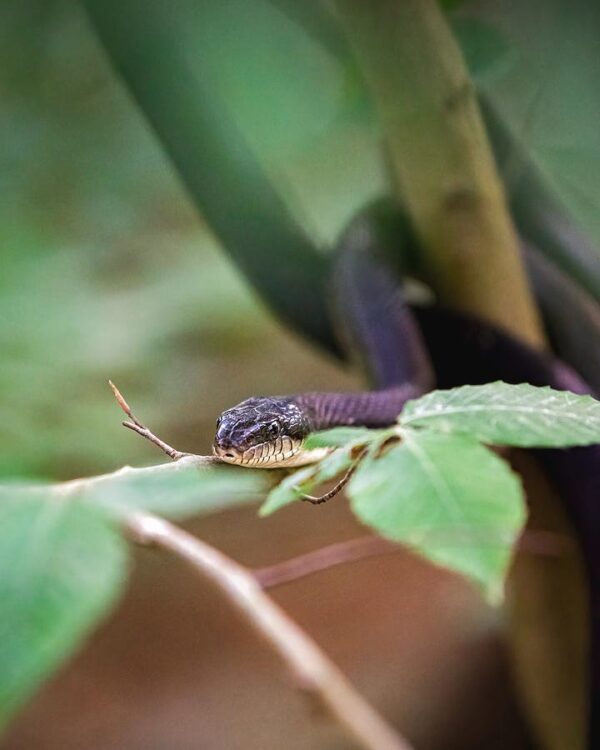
pixel 407 351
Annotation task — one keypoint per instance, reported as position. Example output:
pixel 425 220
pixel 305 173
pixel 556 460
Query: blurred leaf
pixel 503 414
pixel 62 568
pixel 179 492
pixel 448 498
pixel 549 96
pixel 307 480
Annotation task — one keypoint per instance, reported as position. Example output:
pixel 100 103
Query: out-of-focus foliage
pixel 177 490
pixel 62 568
pixel 549 93
pixel 63 562
pixel 105 269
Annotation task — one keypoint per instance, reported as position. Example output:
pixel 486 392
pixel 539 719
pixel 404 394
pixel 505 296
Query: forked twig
pixel 141 429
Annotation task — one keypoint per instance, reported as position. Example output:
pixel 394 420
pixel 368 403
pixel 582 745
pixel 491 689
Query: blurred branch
pixel 441 159
pixel 324 558
pixel 311 669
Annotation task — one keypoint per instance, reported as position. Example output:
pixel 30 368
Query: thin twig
pixel 542 543
pixel 337 488
pixel 141 429
pixel 311 669
pixel 323 559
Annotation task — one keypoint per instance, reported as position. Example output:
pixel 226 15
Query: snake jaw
pixel 271 454
pixel 266 459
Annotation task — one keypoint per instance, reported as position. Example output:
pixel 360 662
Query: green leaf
pixel 62 568
pixel 305 481
pixel 179 491
pixel 503 414
pixel 447 497
pixel 340 436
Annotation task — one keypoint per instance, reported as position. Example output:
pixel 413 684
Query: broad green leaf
pixel 447 497
pixel 305 481
pixel 62 568
pixel 341 436
pixel 179 492
pixel 503 414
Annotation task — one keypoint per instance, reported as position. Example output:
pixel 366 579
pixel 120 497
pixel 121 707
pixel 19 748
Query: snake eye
pixel 274 429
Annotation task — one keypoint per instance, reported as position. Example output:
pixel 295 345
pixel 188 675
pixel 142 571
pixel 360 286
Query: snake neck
pixel 366 408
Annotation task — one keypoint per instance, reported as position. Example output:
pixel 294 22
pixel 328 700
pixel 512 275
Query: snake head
pixel 263 431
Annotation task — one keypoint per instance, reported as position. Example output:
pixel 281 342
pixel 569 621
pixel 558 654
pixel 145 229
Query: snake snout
pixel 224 448
pixel 227 453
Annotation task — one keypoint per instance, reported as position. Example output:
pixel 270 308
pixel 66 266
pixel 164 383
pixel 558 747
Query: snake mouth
pixel 268 455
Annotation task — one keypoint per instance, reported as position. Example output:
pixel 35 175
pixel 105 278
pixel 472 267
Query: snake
pixel 406 350
pixel 373 319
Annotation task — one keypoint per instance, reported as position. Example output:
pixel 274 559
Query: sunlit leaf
pixel 447 497
pixel 503 414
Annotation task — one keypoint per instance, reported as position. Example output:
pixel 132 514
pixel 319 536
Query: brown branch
pixel 543 543
pixel 324 558
pixel 441 161
pixel 311 669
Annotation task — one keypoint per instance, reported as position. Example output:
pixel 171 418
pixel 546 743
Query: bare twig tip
pixel 119 397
